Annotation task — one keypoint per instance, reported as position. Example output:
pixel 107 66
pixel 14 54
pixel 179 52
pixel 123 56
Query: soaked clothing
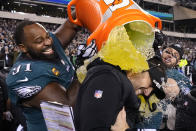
pixel 105 90
pixel 182 81
pixel 28 77
pixel 150 105
pixel 186 113
pixel 185 86
pixel 152 116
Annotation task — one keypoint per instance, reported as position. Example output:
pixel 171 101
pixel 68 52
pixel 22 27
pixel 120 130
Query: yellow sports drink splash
pixel 123 32
pixel 120 51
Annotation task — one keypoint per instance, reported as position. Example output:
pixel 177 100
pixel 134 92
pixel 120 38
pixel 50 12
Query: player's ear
pixel 22 48
pixel 178 62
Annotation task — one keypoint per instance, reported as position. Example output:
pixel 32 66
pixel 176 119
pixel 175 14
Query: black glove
pixel 158 42
pixel 85 52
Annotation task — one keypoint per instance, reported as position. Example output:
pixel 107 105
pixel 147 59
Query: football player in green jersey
pixel 42 70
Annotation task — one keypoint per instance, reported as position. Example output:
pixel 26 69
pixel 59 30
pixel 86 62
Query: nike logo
pixel 23 80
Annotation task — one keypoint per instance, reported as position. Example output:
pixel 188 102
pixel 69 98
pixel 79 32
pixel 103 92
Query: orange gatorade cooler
pixel 125 30
pixel 101 16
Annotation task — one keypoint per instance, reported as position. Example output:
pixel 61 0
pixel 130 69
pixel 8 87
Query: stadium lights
pixel 60 8
pixel 28 4
pixel 45 16
pixel 22 13
pixel 17 2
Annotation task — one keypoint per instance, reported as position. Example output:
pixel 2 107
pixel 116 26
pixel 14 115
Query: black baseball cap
pixel 178 48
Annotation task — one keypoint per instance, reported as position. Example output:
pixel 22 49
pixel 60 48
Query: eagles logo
pixel 55 72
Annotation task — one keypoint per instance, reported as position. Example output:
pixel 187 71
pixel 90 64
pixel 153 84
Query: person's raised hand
pixel 8 115
pixel 121 123
pixel 171 89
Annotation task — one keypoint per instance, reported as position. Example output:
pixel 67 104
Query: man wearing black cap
pixel 185 102
pixel 171 56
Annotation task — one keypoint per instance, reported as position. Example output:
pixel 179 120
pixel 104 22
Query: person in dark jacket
pixel 147 85
pixel 186 115
pixel 3 99
pixel 171 57
pixel 106 88
pixel 104 92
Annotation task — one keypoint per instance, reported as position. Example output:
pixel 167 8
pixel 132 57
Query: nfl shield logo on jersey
pixel 98 94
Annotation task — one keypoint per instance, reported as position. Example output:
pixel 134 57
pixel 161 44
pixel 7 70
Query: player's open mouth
pixel 167 60
pixel 48 51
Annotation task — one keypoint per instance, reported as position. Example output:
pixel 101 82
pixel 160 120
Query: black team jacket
pixel 104 92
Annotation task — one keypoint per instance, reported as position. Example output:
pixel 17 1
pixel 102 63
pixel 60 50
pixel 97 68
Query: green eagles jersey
pixel 29 77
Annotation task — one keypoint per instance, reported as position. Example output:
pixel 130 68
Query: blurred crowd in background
pixel 9 52
pixel 9 48
pixel 7 45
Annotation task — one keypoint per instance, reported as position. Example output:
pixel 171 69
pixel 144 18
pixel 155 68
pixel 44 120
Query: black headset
pixel 154 105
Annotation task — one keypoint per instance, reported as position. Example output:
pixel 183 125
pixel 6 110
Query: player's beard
pixel 41 56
